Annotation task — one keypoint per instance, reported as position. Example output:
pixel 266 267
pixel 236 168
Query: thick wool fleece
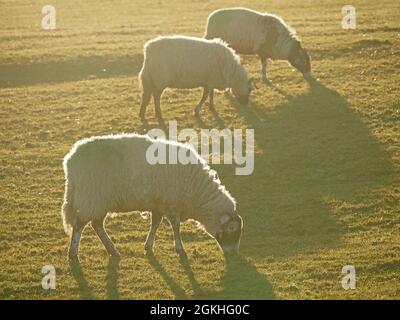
pixel 112 174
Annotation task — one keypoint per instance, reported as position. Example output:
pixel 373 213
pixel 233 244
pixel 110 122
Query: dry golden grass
pixel 325 192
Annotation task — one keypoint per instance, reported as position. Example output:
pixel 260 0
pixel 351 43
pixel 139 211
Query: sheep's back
pixel 184 62
pixel 239 27
pixel 113 175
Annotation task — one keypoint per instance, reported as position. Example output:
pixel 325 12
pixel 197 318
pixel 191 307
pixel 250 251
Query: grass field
pixel 325 192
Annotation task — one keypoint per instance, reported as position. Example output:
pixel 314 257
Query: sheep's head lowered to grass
pixel 229 233
pixel 243 90
pixel 263 34
pixel 300 59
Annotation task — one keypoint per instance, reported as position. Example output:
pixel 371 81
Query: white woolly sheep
pixel 188 62
pixel 251 32
pixel 112 174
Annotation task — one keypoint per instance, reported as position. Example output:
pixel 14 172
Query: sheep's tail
pixel 68 211
pixel 146 84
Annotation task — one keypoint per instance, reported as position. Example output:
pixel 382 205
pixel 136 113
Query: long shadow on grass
pixel 313 149
pixel 242 281
pixel 93 67
pixel 175 287
pixel 112 292
pixel 84 290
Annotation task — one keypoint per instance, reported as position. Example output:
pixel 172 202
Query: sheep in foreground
pixel 188 62
pixel 251 32
pixel 112 174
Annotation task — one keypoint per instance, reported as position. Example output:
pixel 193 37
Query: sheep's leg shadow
pixel 84 290
pixel 198 291
pixel 242 280
pixel 280 91
pixel 249 112
pixel 112 279
pixel 220 122
pixel 175 288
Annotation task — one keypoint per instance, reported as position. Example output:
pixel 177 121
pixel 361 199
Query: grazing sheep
pixel 251 32
pixel 113 174
pixel 188 62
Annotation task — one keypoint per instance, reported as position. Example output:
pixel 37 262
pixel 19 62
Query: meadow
pixel 325 191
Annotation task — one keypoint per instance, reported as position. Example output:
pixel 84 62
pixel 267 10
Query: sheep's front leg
pixel 155 222
pixel 211 97
pixel 264 64
pixel 176 225
pixel 98 226
pixel 203 99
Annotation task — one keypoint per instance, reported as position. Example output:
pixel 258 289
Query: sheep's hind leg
pixel 176 225
pixel 157 102
pixel 98 226
pixel 155 222
pixel 203 99
pixel 146 95
pixel 77 230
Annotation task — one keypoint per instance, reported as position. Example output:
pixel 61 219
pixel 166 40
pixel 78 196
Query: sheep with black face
pixel 266 35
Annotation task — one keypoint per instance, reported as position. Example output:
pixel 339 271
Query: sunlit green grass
pixel 325 191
